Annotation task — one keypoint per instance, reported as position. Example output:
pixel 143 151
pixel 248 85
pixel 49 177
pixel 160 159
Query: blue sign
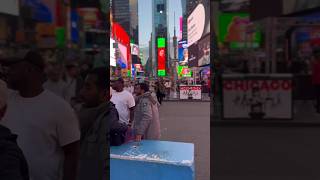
pixel 40 11
pixel 74 26
pixel 182 47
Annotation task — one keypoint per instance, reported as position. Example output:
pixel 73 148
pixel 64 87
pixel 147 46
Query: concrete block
pixel 152 160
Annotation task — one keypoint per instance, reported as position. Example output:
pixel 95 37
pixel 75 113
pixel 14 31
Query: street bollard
pixel 152 160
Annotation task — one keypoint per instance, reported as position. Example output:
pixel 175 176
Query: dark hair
pixel 102 77
pixel 144 86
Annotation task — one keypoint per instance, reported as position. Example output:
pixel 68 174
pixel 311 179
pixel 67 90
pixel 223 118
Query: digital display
pixel 238 30
pixel 161 61
pixel 161 42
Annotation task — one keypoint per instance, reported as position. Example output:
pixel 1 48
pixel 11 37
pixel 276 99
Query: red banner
pixel 161 58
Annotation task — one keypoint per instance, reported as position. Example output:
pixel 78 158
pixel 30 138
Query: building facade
pixel 160 37
pixel 134 22
pixel 121 13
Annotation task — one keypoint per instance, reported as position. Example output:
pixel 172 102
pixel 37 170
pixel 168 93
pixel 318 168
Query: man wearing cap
pixel 123 100
pixel 47 127
pixel 13 164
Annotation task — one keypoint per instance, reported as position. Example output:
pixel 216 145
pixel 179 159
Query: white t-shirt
pixel 123 101
pixel 59 88
pixel 44 124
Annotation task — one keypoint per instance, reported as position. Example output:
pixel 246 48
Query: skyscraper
pixel 160 37
pixel 184 19
pixel 121 13
pixel 134 26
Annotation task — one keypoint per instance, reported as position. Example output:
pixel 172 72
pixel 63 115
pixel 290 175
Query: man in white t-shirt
pixel 47 127
pixel 123 100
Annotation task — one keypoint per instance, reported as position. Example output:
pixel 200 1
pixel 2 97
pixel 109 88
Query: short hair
pixel 102 77
pixel 144 86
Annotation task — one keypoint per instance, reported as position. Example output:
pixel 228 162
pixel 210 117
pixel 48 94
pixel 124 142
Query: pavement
pixel 265 153
pixel 189 122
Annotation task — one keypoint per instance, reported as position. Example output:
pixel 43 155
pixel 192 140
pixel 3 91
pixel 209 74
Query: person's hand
pixel 130 124
pixel 138 138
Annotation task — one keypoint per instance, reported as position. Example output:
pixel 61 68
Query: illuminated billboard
pixel 113 61
pixel 184 71
pixel 237 30
pixel 183 53
pixel 161 43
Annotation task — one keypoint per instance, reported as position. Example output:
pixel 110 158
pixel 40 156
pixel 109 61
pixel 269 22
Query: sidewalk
pixel 304 114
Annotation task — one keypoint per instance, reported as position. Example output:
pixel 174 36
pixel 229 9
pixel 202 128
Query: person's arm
pixel 68 132
pixel 131 115
pixel 142 124
pixel 71 161
pixel 131 104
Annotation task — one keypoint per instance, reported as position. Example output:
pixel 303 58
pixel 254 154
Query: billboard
pixel 234 5
pixel 10 7
pixel 123 54
pixel 161 44
pixel 196 24
pixel 113 61
pixel 293 6
pixel 135 49
pixel 193 55
pixel 238 30
pixel 42 10
pixel 190 92
pixel 184 71
pixel 257 98
pixel 183 52
pixel 204 51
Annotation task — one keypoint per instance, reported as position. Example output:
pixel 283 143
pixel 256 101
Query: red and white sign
pixel 257 97
pixel 190 92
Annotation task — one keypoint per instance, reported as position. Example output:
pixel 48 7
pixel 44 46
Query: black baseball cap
pixel 32 57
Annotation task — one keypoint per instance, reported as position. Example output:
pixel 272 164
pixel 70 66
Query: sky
pixel 145 19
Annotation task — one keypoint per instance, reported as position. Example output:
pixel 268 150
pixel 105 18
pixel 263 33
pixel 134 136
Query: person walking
pixel 160 91
pixel 123 100
pixel 316 77
pixel 13 165
pixel 98 117
pixel 146 117
pixel 46 125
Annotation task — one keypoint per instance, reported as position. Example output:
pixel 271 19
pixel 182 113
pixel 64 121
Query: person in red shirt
pixel 316 77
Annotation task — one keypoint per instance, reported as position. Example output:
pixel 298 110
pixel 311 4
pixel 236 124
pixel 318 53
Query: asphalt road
pixel 265 153
pixel 189 122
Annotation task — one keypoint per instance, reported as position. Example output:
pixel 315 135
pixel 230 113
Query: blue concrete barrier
pixel 152 160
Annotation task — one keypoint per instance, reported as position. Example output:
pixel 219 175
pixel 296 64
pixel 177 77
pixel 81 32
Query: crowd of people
pixel 57 122
pixel 54 120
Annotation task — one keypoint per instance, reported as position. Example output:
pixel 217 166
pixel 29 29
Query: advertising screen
pixel 237 29
pixel 161 43
pixel 161 61
pixel 204 51
pixel 193 55
pixel 198 22
pixel 9 7
pixel 183 52
pixel 113 61
pixel 135 49
pixel 292 6
pixel 122 59
pixel 184 71
pixel 234 5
